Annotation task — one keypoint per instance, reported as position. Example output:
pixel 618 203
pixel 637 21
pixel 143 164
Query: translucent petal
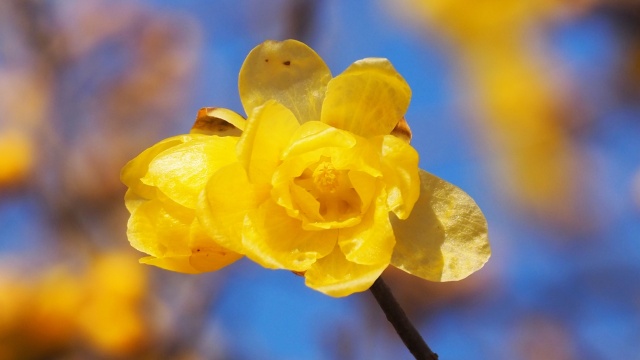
pixel 218 121
pixel 160 229
pixel 336 276
pixel 366 187
pixel 275 240
pixel 180 263
pixel 227 198
pixel 267 134
pixel 370 242
pixel 283 180
pixel 400 174
pixel 206 254
pixel 346 150
pixel 181 171
pixel 314 135
pixel 445 237
pixel 133 200
pixel 302 201
pixel 289 72
pixel 135 169
pixel 369 98
pixel 171 234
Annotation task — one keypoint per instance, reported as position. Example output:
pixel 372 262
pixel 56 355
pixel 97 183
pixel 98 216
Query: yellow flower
pixel 318 174
pixel 164 183
pixel 317 182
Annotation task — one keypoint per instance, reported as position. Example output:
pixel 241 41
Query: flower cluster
pixel 319 179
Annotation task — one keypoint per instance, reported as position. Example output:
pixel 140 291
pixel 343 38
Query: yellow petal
pixel 284 186
pixel 301 202
pixel 160 229
pixel 315 135
pixel 275 240
pixel 178 263
pixel 193 264
pixel 400 174
pixel 227 198
pixel 267 134
pixel 289 72
pixel 368 99
pixel 181 171
pixel 135 169
pixel 218 121
pixel 445 237
pixel 347 151
pixel 370 242
pixel 366 186
pixel 132 200
pixel 174 239
pixel 336 276
pixel 206 254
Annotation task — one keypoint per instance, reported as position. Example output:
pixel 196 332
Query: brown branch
pixel 396 316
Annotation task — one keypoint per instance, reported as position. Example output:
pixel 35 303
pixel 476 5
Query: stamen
pixel 325 177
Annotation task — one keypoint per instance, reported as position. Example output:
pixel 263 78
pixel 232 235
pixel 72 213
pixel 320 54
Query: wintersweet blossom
pixel 322 181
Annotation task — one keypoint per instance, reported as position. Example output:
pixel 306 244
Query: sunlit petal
pixel 275 240
pixel 289 72
pixel 160 229
pixel 445 237
pixel 133 200
pixel 336 276
pixel 181 171
pixel 267 134
pixel 206 254
pixel 227 198
pixel 178 263
pixel 316 135
pixel 371 241
pixel 369 98
pixel 400 173
pixel 137 168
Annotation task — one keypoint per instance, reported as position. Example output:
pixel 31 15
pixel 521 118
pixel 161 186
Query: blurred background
pixel 530 106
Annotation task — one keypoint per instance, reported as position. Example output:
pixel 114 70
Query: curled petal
pixel 177 263
pixel 371 241
pixel 199 261
pixel 226 200
pixel 369 98
pixel 445 237
pixel 289 72
pixel 181 171
pixel 137 168
pixel 218 121
pixel 274 240
pixel 315 135
pixel 133 200
pixel 166 232
pixel 206 254
pixel 400 174
pixel 160 228
pixel 268 132
pixel 336 276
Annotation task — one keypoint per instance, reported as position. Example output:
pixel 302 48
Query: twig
pixel 396 316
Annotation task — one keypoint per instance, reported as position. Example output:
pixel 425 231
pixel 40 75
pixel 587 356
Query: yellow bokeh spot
pixel 15 167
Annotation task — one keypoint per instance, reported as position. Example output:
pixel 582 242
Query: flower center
pixel 325 177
